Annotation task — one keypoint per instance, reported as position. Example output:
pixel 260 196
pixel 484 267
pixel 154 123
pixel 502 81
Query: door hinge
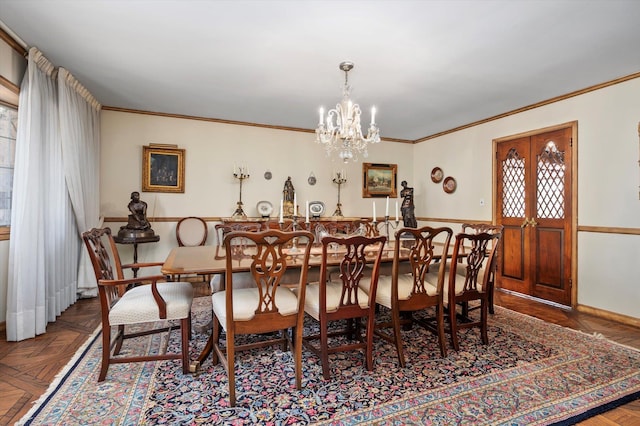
pixel 570 283
pixel 571 142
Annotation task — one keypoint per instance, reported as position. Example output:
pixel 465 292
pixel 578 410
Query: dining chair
pixel 478 228
pixel 125 302
pixel 242 279
pixel 406 291
pixel 469 280
pixel 191 231
pixel 337 296
pixel 266 307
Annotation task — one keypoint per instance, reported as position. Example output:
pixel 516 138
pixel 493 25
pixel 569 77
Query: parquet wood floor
pixel 27 368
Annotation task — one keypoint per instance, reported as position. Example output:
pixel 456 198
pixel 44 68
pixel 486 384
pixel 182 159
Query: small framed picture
pixel 162 168
pixel 379 180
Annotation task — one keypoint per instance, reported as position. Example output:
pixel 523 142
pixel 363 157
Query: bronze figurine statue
pixel 407 208
pixel 137 225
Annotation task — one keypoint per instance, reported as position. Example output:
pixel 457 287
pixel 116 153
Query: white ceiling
pixel 427 66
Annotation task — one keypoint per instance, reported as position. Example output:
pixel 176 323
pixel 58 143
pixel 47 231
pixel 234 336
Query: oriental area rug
pixel 531 373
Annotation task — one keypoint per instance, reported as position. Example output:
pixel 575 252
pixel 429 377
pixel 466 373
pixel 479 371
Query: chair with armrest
pixel 340 298
pixel 407 291
pixel 267 306
pixel 473 284
pixel 128 301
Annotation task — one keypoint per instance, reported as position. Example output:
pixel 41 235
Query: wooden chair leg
pixel 185 329
pixel 106 352
pixel 231 368
pixel 483 322
pixel 297 354
pixel 119 339
pixel 453 324
pixel 441 334
pixel 369 349
pixel 324 355
pixel 395 319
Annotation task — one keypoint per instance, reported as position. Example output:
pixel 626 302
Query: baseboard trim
pixel 608 315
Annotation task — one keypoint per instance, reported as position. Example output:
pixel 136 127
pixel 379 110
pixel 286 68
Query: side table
pixel 135 241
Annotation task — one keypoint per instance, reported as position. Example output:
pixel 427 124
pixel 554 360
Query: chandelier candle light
pixel 341 130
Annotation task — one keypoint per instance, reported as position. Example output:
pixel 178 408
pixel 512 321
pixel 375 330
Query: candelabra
pixel 294 226
pixel 386 224
pixel 241 174
pixel 339 179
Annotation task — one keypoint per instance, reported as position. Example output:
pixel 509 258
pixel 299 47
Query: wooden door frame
pixel 574 188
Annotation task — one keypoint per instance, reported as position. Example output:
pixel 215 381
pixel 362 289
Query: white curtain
pixel 45 247
pixel 80 135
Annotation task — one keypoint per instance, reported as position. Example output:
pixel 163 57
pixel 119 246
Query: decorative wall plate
pixel 312 179
pixel 449 185
pixel 316 208
pixel 436 174
pixel 264 208
pixel 267 175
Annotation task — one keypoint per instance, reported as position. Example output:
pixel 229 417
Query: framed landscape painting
pixel 379 180
pixel 162 168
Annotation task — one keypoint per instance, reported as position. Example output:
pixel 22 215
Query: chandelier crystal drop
pixel 340 131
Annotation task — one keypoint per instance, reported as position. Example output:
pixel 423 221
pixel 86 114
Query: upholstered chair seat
pixel 334 291
pixel 138 305
pixel 246 301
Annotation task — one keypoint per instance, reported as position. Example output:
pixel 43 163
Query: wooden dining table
pixel 211 260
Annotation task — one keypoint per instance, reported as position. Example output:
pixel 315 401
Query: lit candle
pixel 295 204
pixel 321 115
pixel 374 211
pixel 235 169
pixel 307 213
pixel 281 211
pixel 373 115
pixel 386 210
pixel 397 211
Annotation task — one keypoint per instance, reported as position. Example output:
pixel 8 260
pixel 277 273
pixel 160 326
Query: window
pixel 8 130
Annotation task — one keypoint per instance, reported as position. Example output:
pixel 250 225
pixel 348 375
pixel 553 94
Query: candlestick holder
pixel 294 225
pixel 241 176
pixel 339 179
pixel 385 225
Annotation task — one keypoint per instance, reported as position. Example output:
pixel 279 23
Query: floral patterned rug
pixel 531 373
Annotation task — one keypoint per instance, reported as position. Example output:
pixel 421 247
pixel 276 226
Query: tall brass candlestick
pixel 241 174
pixel 339 179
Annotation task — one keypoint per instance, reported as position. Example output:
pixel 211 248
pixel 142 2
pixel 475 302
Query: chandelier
pixel 340 131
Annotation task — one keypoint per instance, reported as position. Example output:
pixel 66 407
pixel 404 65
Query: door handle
pixel 531 222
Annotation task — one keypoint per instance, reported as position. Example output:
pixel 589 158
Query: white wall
pixel 210 189
pixel 608 179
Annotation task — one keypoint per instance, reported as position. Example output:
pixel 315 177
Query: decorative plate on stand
pixel 436 174
pixel 264 208
pixel 449 185
pixel 316 208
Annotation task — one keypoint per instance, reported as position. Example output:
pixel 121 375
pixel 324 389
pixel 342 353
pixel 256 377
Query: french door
pixel 534 203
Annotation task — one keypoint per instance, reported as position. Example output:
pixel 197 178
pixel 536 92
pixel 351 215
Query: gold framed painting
pixel 162 168
pixel 379 180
